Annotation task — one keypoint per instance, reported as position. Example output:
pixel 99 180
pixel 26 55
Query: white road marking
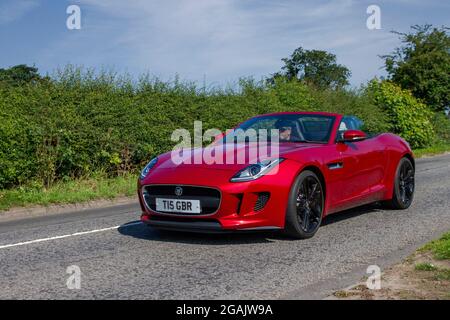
pixel 66 236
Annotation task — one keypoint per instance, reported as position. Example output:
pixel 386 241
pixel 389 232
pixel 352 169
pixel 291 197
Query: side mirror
pixel 353 135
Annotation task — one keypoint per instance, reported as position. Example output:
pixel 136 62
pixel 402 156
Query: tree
pixel 315 67
pixel 19 75
pixel 422 64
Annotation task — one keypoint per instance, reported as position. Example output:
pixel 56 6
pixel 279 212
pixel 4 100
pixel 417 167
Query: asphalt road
pixel 119 258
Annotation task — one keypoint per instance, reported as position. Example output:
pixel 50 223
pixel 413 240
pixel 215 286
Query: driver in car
pixel 285 129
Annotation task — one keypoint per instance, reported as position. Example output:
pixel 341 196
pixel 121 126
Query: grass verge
pixel 72 191
pixel 440 248
pixel 432 150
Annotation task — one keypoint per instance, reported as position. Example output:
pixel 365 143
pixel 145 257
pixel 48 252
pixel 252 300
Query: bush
pixel 409 118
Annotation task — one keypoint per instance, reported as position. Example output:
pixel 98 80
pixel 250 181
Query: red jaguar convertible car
pixel 325 164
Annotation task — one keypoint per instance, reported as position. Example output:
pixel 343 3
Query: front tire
pixel 404 185
pixel 305 206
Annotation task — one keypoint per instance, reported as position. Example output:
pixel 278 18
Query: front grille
pixel 209 197
pixel 260 203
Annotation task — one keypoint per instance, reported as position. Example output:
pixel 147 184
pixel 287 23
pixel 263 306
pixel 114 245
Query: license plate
pixel 178 205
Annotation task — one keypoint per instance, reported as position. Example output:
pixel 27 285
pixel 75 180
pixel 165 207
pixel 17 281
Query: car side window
pixel 349 123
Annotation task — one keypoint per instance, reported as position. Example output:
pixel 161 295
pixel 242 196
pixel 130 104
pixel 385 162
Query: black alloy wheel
pixel 305 207
pixel 404 185
pixel 309 204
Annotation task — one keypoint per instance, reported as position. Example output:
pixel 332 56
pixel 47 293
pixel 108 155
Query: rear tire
pixel 305 206
pixel 404 186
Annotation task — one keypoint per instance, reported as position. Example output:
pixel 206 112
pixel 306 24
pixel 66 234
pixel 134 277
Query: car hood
pixel 253 152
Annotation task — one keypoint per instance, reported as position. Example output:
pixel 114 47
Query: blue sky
pixel 213 40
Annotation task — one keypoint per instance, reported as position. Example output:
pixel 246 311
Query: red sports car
pixel 324 164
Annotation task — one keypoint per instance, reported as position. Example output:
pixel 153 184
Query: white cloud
pixel 221 39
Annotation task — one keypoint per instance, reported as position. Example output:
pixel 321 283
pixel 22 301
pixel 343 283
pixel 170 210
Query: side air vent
pixel 263 197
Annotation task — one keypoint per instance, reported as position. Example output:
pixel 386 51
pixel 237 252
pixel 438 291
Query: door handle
pixel 335 165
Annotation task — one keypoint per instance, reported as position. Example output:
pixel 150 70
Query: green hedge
pixel 408 117
pixel 441 125
pixel 80 124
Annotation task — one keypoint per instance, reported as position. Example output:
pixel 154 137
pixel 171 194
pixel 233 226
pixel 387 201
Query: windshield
pixel 292 127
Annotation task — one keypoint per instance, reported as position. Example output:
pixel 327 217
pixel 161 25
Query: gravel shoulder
pixel 421 276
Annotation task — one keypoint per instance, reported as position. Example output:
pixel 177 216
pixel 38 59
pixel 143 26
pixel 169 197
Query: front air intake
pixel 209 197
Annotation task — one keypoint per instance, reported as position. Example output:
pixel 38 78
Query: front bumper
pixel 197 226
pixel 239 209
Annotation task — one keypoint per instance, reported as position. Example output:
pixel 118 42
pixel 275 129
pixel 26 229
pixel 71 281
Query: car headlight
pixel 255 171
pixel 148 167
